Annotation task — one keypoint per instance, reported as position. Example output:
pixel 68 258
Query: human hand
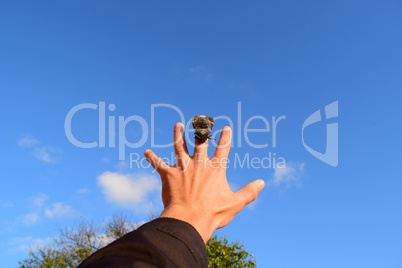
pixel 196 190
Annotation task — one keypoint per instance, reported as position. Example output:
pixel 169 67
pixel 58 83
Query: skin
pixel 196 190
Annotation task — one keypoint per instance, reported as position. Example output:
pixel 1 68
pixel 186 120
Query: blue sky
pixel 258 60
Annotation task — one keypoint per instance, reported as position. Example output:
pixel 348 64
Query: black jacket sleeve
pixel 163 242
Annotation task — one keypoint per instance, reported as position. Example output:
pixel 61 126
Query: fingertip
pixel 179 125
pixel 147 152
pixel 260 185
pixel 150 155
pixel 225 139
pixel 226 128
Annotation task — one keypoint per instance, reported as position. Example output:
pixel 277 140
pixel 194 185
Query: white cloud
pixel 129 190
pixel 45 154
pixel 58 210
pixel 287 174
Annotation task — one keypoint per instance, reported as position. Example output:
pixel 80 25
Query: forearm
pixel 162 242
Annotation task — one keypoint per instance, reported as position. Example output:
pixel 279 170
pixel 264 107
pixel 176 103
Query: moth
pixel 203 126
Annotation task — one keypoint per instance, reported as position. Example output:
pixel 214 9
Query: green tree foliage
pixel 76 243
pixel 222 254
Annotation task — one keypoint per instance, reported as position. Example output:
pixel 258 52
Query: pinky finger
pixel 157 163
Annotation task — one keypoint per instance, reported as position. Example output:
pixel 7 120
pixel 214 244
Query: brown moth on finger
pixel 203 126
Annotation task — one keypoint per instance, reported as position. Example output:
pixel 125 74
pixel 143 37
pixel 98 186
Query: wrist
pixel 202 223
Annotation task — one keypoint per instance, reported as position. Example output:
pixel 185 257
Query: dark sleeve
pixel 163 242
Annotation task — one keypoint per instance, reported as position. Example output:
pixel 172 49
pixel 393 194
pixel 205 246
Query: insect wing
pixel 194 121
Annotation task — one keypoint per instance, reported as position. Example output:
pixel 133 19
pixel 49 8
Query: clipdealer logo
pixel 112 133
pixel 331 151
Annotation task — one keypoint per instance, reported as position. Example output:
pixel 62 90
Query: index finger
pixel 158 164
pixel 180 146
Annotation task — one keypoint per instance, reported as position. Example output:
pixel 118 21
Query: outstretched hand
pixel 196 190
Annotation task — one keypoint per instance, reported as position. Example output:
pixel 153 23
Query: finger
pixel 180 146
pixel 223 148
pixel 157 163
pixel 249 193
pixel 200 149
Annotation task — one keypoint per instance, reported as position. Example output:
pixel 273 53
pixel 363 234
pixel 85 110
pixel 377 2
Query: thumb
pixel 249 193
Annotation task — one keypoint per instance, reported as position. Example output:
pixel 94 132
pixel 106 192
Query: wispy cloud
pixel 27 141
pixel 40 200
pixel 44 153
pixel 58 210
pixel 129 190
pixel 200 72
pixel 42 209
pixel 287 175
pixel 30 218
pixel 122 166
pixel 83 191
pixel 29 243
pixel 7 204
pixel 38 203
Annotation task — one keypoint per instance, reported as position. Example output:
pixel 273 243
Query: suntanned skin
pixel 196 190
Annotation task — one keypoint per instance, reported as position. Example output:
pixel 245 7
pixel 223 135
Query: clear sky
pixel 125 71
